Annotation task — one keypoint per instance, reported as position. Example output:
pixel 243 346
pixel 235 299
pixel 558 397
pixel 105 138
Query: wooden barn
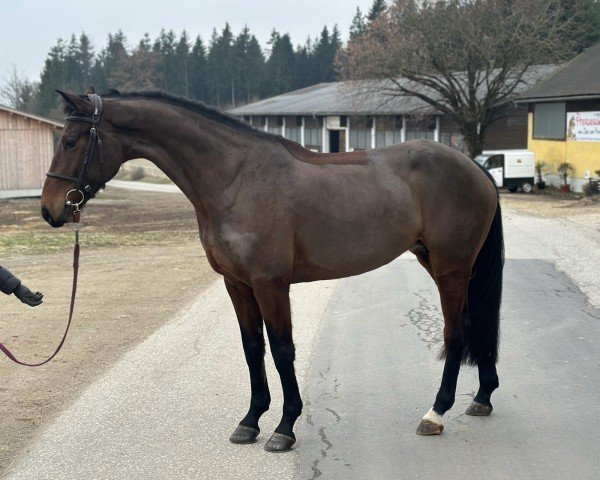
pixel 26 149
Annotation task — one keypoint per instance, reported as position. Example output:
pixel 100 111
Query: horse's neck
pixel 199 155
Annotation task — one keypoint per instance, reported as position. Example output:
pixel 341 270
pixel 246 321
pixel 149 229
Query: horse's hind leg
pixel 250 320
pixel 453 291
pixel 274 300
pixel 488 382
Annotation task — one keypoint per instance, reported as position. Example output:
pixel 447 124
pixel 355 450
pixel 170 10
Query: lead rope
pixel 7 352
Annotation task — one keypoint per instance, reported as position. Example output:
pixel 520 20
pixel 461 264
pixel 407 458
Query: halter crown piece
pixel 82 186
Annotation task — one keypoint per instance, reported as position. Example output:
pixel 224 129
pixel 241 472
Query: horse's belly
pixel 333 253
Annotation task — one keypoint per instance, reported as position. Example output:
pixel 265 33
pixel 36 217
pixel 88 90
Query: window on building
pixel 313 133
pixel 549 121
pixel 274 124
pixel 292 130
pixel 360 139
pixel 387 131
pixel 420 128
pixel 453 139
pixel 360 133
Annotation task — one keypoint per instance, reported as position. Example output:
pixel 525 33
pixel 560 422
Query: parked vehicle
pixel 512 169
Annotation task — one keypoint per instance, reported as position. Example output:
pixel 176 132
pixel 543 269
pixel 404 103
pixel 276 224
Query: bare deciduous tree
pixel 17 91
pixel 464 58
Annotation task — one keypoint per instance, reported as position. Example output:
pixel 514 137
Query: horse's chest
pixel 227 250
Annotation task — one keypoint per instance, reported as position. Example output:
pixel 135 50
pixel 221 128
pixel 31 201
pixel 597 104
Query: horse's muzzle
pixel 56 222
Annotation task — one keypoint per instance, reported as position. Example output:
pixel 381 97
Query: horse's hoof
pixel 431 424
pixel 427 427
pixel 279 443
pixel 244 434
pixel 479 409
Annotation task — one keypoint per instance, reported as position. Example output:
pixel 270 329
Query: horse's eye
pixel 70 144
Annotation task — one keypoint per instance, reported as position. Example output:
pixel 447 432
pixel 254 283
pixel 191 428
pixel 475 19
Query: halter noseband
pixel 94 139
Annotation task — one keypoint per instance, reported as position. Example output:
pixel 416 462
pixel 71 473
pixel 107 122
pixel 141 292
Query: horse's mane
pixel 193 106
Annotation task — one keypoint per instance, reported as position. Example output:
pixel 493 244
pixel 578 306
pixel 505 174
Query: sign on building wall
pixel 333 123
pixel 583 126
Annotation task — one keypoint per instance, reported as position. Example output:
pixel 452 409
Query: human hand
pixel 27 296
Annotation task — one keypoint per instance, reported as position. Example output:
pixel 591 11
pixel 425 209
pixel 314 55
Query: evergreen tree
pixel 302 65
pixel 85 60
pixel 111 59
pixel 53 78
pixel 219 67
pixel 181 74
pixel 197 71
pixel 376 10
pixel 248 66
pixel 231 72
pixel 324 53
pixel 280 65
pixel 358 26
pixel 589 18
pixel 164 48
pixel 71 66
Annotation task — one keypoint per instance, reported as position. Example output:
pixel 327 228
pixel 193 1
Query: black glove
pixel 27 296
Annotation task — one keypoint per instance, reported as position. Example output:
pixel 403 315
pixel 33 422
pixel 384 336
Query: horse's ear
pixel 76 103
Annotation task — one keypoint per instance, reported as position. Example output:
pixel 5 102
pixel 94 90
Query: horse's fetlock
pixel 293 409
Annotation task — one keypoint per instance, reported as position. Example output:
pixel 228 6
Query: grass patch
pixel 35 243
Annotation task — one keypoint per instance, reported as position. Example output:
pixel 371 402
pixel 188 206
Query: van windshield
pixel 481 159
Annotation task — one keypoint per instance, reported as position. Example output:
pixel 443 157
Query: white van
pixel 512 169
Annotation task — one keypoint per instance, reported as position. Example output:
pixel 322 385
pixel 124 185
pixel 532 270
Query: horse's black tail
pixel 484 297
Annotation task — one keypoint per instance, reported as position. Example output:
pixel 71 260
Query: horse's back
pixel 352 218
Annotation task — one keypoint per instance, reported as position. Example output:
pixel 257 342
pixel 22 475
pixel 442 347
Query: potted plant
pixel 540 166
pixel 564 169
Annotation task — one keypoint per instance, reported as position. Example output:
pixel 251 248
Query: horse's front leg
pixel 250 320
pixel 273 296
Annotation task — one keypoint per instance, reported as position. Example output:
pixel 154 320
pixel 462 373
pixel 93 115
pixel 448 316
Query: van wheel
pixel 512 189
pixel 527 187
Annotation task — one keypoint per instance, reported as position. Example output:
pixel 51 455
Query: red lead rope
pixel 8 353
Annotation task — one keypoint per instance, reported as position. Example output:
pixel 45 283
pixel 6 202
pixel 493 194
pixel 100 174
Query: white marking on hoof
pixel 434 417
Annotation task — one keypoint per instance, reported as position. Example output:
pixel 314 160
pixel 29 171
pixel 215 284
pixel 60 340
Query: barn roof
pixel 367 97
pixel 577 79
pixel 12 111
pixel 335 98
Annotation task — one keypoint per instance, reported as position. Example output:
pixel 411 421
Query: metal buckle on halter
pixel 75 205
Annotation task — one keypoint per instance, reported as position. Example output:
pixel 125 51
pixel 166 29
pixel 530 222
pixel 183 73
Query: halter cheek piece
pixel 83 188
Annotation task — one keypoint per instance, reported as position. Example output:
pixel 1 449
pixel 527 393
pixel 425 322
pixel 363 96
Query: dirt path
pixel 141 263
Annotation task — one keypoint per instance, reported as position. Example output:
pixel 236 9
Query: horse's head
pixel 88 155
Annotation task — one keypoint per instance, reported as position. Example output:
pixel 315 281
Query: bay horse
pixel 271 213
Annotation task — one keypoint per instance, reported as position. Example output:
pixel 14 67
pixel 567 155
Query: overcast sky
pixel 29 28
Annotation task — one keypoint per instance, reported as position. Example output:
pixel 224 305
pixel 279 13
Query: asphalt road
pixel 374 375
pixel 366 360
